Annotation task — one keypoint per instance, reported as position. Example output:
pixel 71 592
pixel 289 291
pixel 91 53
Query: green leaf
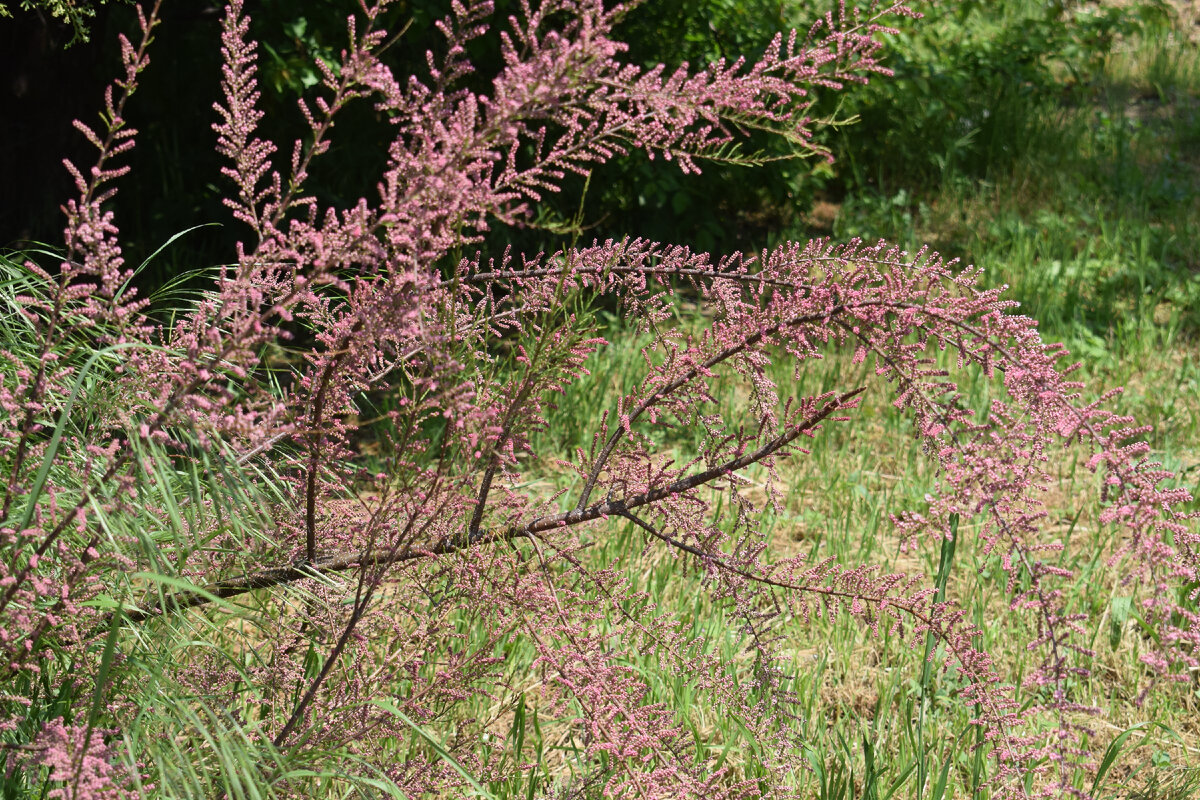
pixel 106 660
pixel 437 748
pixel 1118 614
pixel 35 491
pixel 1114 750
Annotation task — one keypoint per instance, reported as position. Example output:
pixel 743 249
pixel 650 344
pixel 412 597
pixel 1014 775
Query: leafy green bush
pixel 973 83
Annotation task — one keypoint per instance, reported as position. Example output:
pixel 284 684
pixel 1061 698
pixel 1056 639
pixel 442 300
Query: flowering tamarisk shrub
pixel 205 587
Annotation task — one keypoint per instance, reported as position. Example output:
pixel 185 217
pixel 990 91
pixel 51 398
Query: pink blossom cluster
pixel 78 762
pixel 361 582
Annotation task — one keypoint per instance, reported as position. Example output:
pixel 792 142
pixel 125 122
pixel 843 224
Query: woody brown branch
pixel 344 561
